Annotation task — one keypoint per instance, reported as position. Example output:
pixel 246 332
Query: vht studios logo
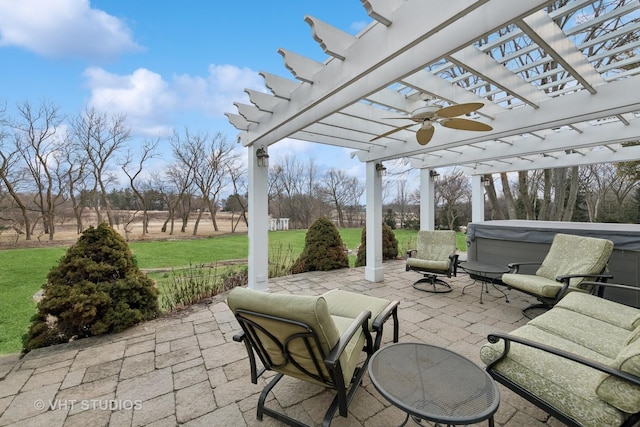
pixel 86 404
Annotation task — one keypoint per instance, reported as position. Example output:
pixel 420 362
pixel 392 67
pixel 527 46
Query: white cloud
pixel 152 104
pixel 63 28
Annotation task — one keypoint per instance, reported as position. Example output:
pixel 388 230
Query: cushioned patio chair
pixel 434 255
pixel 571 260
pixel 298 336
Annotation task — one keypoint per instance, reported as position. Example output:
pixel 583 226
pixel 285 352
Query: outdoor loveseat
pixel 579 361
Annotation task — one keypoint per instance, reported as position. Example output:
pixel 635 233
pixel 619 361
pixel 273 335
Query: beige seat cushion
pixel 351 304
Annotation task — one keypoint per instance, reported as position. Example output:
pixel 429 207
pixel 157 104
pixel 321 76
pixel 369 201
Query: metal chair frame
pixel 253 335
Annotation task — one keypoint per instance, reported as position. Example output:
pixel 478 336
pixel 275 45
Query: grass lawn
pixel 25 270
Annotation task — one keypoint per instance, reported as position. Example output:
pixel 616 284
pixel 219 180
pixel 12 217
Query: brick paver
pixel 185 369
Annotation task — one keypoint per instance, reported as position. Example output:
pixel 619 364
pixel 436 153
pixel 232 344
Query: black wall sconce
pixel 485 180
pixel 263 157
pixel 381 169
pixel 433 174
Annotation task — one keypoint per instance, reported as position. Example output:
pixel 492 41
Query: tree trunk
pixel 523 191
pixel 508 197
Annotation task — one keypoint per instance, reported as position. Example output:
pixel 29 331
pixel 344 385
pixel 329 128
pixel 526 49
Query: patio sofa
pixel 579 361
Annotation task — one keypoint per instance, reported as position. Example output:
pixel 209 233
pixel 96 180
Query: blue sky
pixel 165 64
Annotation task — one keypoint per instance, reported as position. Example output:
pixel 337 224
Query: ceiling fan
pixel 446 116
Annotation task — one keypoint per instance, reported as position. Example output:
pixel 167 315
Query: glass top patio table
pixel 433 383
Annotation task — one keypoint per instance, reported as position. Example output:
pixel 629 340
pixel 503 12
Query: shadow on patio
pixel 186 369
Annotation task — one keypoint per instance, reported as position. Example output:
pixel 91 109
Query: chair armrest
pixel 515 266
pixel 599 287
pixel 360 322
pixel 508 339
pixel 384 315
pixel 411 253
pixel 566 277
pixel 241 337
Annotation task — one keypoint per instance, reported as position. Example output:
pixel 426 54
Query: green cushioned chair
pixel 570 261
pixel 297 336
pixel 435 254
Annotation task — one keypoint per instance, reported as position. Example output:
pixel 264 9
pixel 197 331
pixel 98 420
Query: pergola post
pixel 374 271
pixel 427 200
pixel 477 198
pixel 258 222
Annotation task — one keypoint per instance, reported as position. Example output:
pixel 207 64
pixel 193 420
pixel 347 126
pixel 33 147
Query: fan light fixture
pixel 263 157
pixel 445 116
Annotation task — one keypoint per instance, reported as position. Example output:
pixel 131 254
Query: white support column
pixel 477 199
pixel 258 223
pixel 427 200
pixel 374 271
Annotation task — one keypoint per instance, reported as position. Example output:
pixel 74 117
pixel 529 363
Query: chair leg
pixel 541 305
pixel 429 283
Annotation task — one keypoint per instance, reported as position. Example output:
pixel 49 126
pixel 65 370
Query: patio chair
pixel 435 255
pixel 570 261
pixel 297 336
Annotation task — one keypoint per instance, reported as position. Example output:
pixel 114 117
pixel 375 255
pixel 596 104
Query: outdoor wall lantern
pixel 381 169
pixel 433 174
pixel 263 157
pixel 485 180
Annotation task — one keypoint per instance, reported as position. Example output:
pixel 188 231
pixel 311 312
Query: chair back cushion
pixel 617 392
pixel 309 310
pixel 436 245
pixel 571 254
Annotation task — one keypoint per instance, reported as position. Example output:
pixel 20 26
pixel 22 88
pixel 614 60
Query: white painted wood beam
pixel 545 33
pixel 589 136
pixel 237 121
pixel 602 155
pixel 473 59
pixel 333 41
pixel 249 112
pixel 263 101
pixel 280 86
pixel 302 68
pixel 381 10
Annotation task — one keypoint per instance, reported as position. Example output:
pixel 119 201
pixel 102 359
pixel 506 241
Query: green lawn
pixel 25 270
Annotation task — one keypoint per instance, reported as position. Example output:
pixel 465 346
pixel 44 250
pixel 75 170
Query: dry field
pixel 65 232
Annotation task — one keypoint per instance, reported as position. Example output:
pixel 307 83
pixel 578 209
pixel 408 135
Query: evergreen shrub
pixel 97 288
pixel 389 245
pixel 323 249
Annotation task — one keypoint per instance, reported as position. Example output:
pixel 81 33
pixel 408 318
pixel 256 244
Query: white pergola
pixel 554 96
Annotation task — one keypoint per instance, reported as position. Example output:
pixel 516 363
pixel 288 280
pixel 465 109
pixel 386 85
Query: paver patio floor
pixel 185 369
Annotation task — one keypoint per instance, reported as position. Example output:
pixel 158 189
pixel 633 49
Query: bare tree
pixel 134 172
pixel 452 188
pixel 76 177
pixel 237 174
pixel 101 138
pixel 295 191
pixel 39 146
pixel 336 188
pixel 13 174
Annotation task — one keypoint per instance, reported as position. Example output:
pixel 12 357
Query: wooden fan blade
pixel 459 110
pixel 465 124
pixel 393 131
pixel 424 135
